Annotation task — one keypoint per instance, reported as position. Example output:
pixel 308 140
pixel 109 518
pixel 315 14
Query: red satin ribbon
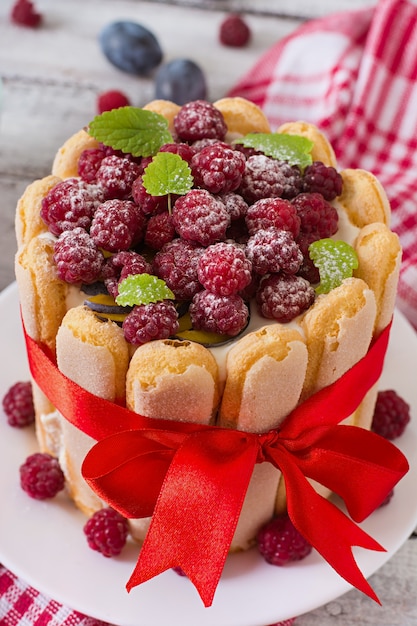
pixel 193 478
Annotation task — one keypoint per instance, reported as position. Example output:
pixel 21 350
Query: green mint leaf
pixel 142 289
pixel 294 149
pixel 135 131
pixel 167 173
pixel 335 261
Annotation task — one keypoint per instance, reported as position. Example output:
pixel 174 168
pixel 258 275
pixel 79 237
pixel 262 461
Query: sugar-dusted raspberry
pixel 307 269
pixel 18 404
pixel 41 476
pixel 234 31
pixel 218 169
pixel 160 230
pixel 391 414
pixel 284 296
pixel 24 13
pixel 224 269
pixel 183 150
pixel 89 162
pixel 198 145
pixel 265 177
pixel 199 217
pixel 235 205
pixel 149 205
pixel 147 322
pixel 176 263
pixel 120 265
pixel 316 215
pixel 106 532
pixel 116 176
pixel 70 204
pixel 117 225
pixel 322 179
pixel 280 543
pixel 274 250
pixel 77 258
pixel 199 119
pixel 112 99
pixel 273 213
pixel 227 315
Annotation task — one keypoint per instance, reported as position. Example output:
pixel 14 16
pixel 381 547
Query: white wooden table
pixel 51 78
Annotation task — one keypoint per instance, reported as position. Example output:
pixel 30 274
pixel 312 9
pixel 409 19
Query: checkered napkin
pixel 354 75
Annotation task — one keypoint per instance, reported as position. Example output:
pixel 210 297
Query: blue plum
pixel 180 81
pixel 131 47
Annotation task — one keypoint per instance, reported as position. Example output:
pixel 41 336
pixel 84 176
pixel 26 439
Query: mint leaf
pixel 136 131
pixel 142 289
pixel 335 261
pixel 167 173
pixel 294 149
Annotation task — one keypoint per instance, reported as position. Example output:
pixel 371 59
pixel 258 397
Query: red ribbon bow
pixel 193 478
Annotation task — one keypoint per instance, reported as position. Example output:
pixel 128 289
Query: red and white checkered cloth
pixel 353 74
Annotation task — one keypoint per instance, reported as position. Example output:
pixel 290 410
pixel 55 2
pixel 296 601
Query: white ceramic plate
pixel 43 542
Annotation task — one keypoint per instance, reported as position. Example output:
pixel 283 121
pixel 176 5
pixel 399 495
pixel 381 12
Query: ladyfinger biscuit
pixel 65 164
pixel 363 198
pixel 322 149
pixel 242 116
pixel 28 221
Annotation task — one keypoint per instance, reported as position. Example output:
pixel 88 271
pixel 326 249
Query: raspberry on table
pixel 106 532
pixel 226 315
pixel 391 414
pixel 218 169
pixel 322 179
pixel 77 258
pixel 116 176
pixel 147 322
pixel 199 217
pixel 273 250
pixel 41 476
pixel 160 230
pixel 265 177
pixel 117 225
pixel 284 296
pixel 316 214
pixel 120 265
pixel 224 269
pixel 24 13
pixel 234 31
pixel 199 120
pixel 112 99
pixel 18 404
pixel 176 263
pixel 273 213
pixel 279 542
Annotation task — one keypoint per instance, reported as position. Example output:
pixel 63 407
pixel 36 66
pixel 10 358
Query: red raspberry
pixel 273 213
pixel 235 205
pixel 234 31
pixel 70 204
pixel 117 225
pixel 116 176
pixel 391 414
pixel 23 13
pixel 265 177
pixel 198 120
pixel 316 214
pixel 77 258
pixel 113 99
pixel 201 218
pixel 176 263
pixel 307 269
pixel 218 169
pixel 147 322
pixel 284 296
pixel 198 145
pixel 149 205
pixel 120 265
pixel 224 269
pixel 322 179
pixel 159 230
pixel 185 151
pixel 227 315
pixel 273 250
pixel 41 476
pixel 18 405
pixel 280 543
pixel 106 532
pixel 89 162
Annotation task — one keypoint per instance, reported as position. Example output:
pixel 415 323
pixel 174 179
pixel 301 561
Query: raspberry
pixel 316 214
pixel 120 265
pixel 149 205
pixel 116 176
pixel 89 162
pixel 198 145
pixel 176 263
pixel 224 269
pixel 227 315
pixel 185 151
pixel 23 13
pixel 106 532
pixel 117 225
pixel 284 296
pixel 77 258
pixel 147 322
pixel 198 120
pixel 307 269
pixel 18 405
pixel 235 205
pixel 322 179
pixel 218 169
pixel 200 217
pixel 70 204
pixel 265 177
pixel 273 250
pixel 234 31
pixel 391 414
pixel 41 476
pixel 111 100
pixel 159 231
pixel 275 213
pixel 280 543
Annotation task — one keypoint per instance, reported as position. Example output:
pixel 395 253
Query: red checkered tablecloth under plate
pixel 354 75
